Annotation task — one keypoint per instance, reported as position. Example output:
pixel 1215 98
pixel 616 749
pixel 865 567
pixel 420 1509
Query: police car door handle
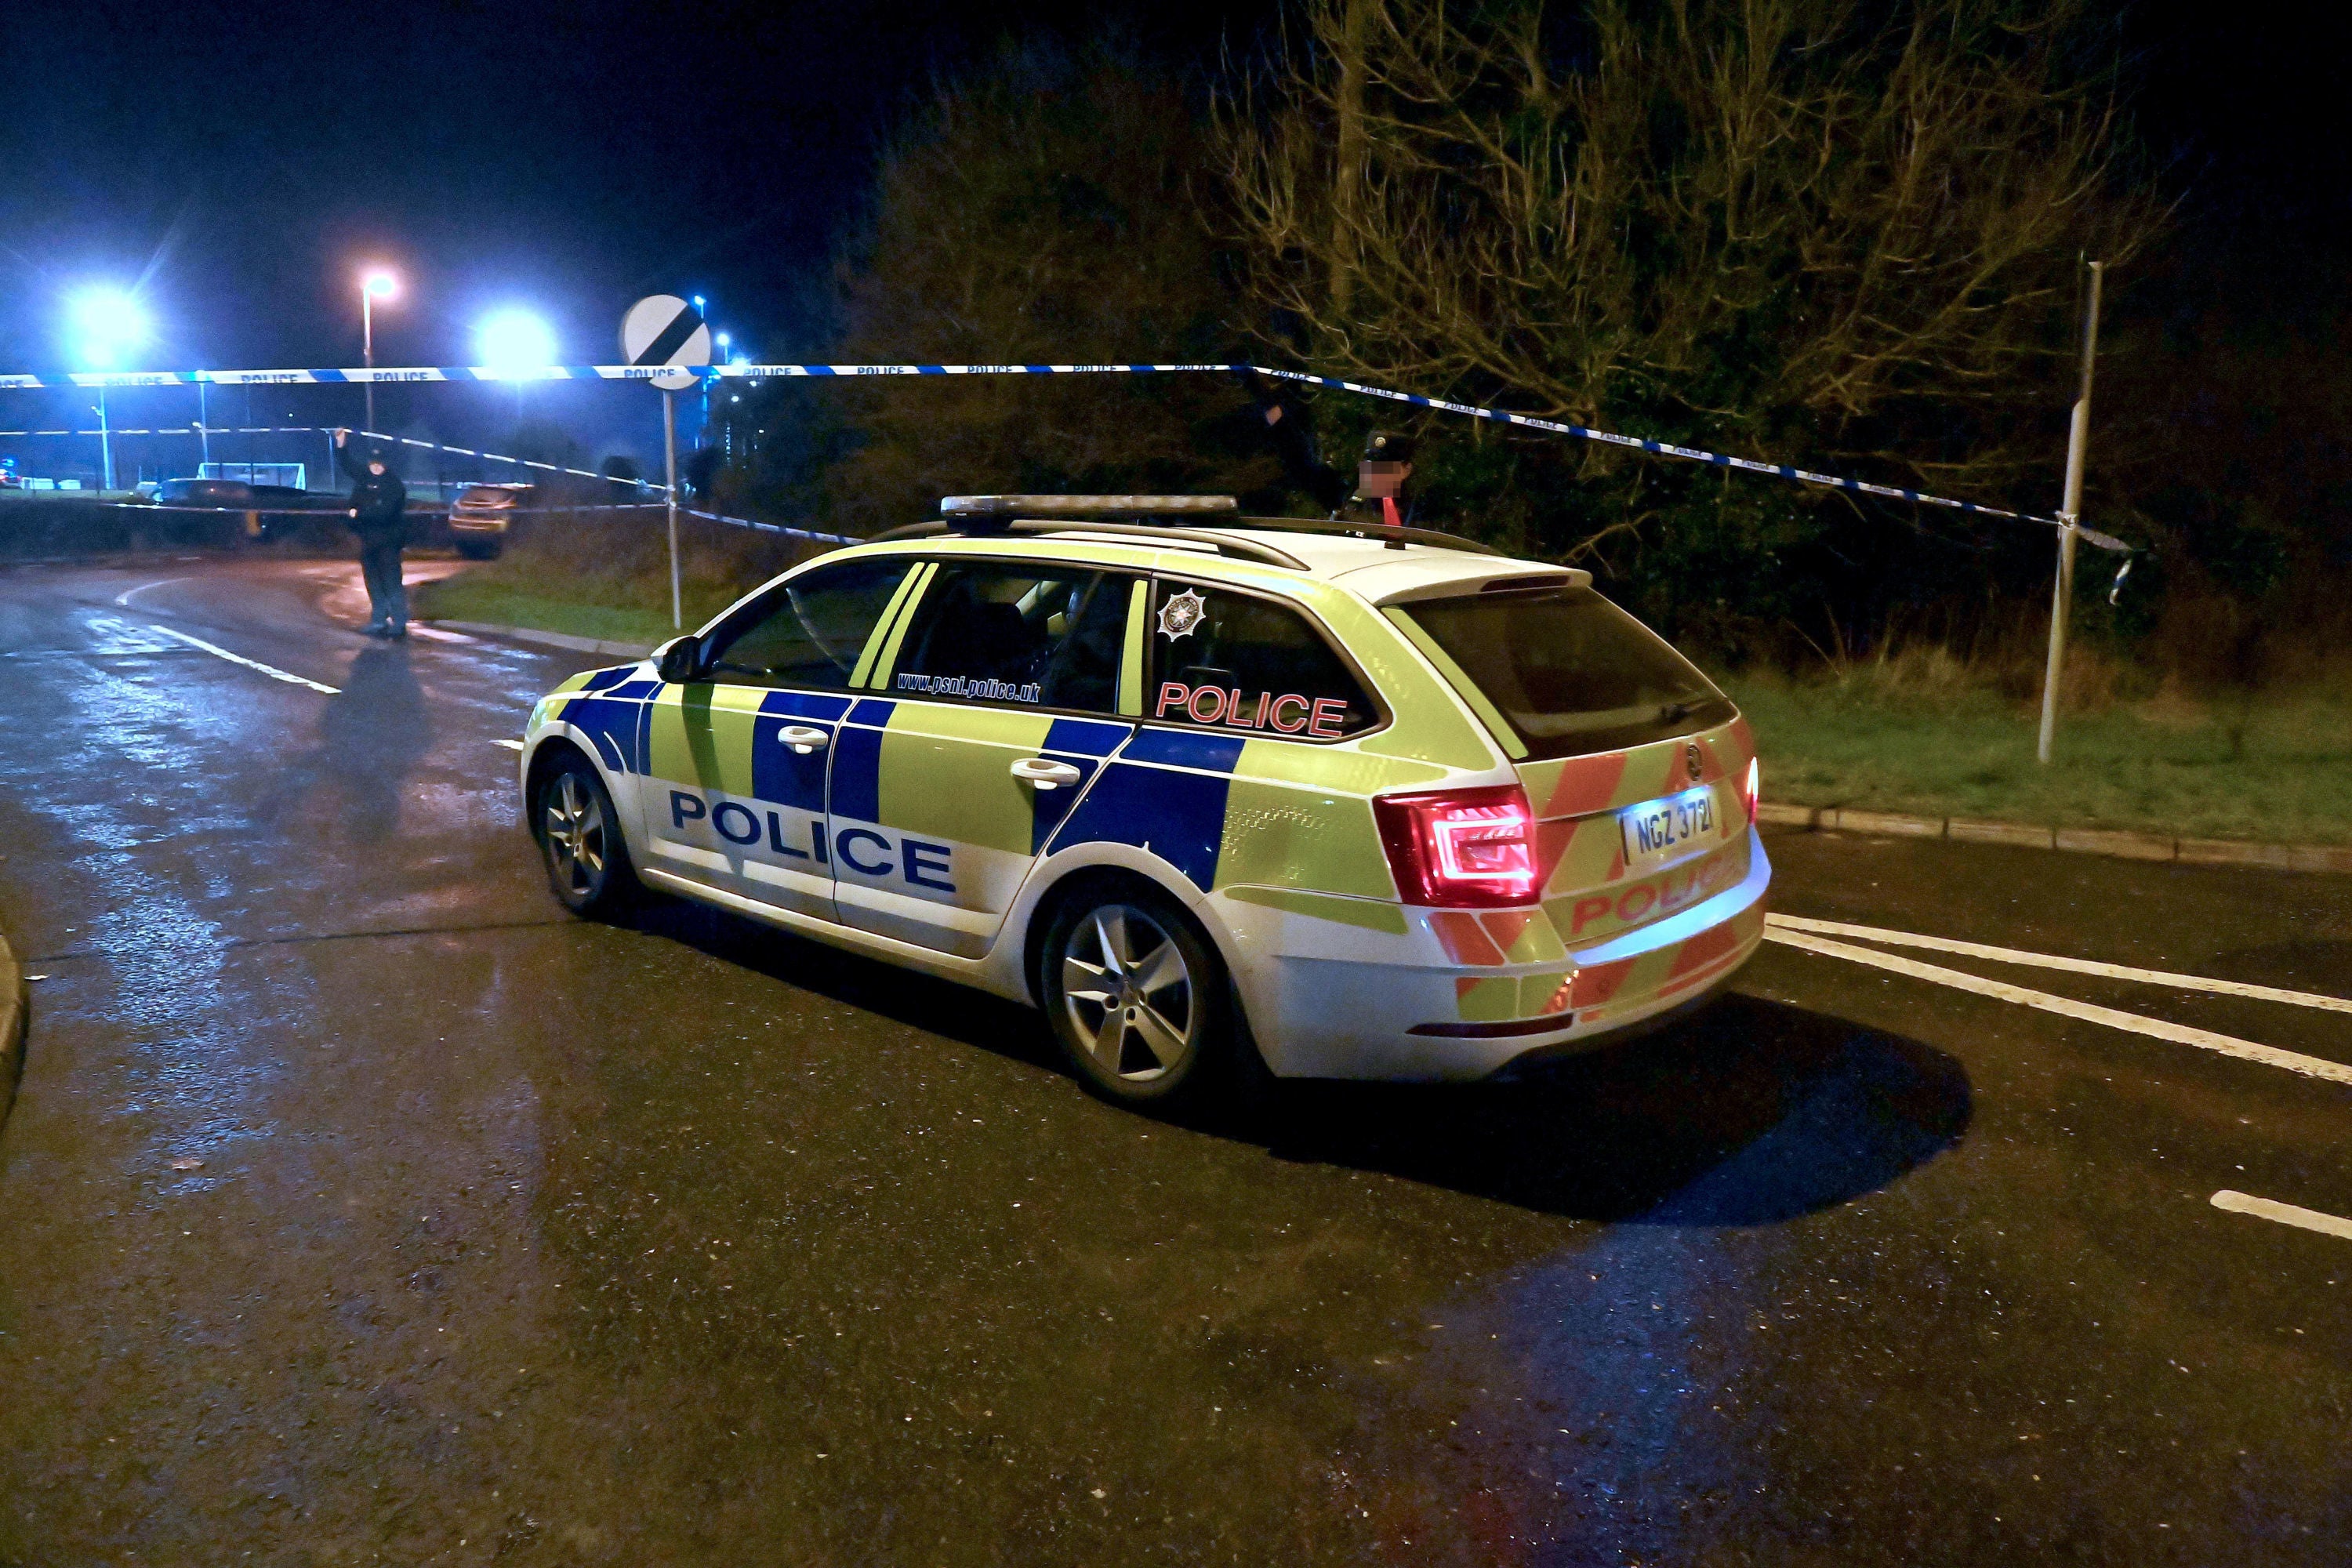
pixel 1044 772
pixel 802 739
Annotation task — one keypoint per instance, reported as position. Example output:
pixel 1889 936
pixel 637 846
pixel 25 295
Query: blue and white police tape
pixel 753 523
pixel 91 379
pixel 203 431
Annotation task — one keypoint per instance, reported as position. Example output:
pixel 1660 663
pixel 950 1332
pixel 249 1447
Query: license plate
pixel 1657 831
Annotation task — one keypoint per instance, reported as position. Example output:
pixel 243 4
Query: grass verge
pixel 464 597
pixel 2273 767
pixel 605 576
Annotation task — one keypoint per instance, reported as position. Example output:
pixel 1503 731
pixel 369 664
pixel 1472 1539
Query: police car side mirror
pixel 678 661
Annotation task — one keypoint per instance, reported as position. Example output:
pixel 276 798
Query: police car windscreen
pixel 1571 672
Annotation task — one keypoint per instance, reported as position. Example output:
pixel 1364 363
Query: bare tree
pixel 1045 211
pixel 1817 229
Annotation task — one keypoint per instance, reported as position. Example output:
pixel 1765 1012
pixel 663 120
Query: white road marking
pixel 2075 965
pixel 510 745
pixel 2286 1214
pixel 436 634
pixel 269 669
pixel 128 594
pixel 2066 1006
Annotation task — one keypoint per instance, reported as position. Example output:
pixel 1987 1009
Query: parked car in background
pixel 219 493
pixel 271 511
pixel 480 517
pixel 278 509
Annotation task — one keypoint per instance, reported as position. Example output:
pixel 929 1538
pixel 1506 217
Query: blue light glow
pixel 516 341
pixel 108 323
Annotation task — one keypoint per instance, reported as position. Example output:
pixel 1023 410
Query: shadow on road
pixel 1753 1111
pixel 370 737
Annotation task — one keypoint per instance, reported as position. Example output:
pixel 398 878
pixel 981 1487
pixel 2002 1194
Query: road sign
pixel 664 330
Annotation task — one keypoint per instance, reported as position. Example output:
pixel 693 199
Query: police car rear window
pixel 1571 672
pixel 1238 663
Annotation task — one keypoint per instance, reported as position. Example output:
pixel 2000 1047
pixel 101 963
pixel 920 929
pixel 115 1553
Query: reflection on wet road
pixel 524 1239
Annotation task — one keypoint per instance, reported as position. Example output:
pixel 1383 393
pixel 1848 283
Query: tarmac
pixel 364 1205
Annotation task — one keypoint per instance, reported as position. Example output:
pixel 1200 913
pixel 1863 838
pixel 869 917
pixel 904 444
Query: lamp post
pixel 374 285
pixel 2062 592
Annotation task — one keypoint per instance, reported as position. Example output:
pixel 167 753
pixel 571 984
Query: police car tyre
pixel 1135 993
pixel 580 836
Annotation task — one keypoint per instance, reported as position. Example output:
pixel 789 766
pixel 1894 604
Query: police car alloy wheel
pixel 579 831
pixel 1134 994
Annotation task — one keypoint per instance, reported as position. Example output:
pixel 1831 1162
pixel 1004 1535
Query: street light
pixel 374 284
pixel 108 323
pixel 514 341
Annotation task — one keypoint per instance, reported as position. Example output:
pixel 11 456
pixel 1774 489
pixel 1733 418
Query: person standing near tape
pixel 380 517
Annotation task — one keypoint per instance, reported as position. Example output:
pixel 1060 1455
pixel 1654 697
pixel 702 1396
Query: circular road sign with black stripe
pixel 664 330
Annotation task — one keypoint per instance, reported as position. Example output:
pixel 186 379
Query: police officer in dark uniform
pixel 380 517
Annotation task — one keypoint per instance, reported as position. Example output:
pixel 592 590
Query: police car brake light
pixel 1752 791
pixel 1467 848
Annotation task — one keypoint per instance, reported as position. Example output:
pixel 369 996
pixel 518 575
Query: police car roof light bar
pixel 1223 545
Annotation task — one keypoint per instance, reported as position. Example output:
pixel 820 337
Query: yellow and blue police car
pixel 1219 794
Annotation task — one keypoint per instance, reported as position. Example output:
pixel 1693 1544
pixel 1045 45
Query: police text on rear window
pixel 1235 662
pixel 1045 637
pixel 1569 672
pixel 807 632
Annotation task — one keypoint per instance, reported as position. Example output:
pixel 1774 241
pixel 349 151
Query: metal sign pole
pixel 2078 439
pixel 367 347
pixel 669 471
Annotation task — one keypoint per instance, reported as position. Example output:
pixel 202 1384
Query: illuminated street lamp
pixel 108 323
pixel 374 284
pixel 513 342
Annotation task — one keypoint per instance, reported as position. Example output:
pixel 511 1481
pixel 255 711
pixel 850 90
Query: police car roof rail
pixel 996 514
pixel 1240 549
pixel 1378 533
pixel 1062 506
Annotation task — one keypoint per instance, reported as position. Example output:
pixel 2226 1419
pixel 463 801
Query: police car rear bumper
pixel 1326 1018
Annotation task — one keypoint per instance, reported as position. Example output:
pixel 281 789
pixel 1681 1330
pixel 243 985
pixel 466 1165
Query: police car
pixel 1218 795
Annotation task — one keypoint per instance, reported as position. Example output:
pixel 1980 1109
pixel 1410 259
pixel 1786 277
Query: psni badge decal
pixel 1180 615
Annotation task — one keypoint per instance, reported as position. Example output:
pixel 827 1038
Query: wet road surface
pixel 517 1238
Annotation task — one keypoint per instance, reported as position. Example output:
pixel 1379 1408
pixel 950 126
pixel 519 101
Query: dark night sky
pixel 242 159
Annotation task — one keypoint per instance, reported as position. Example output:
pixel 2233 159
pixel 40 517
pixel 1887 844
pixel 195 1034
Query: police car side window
pixel 1037 635
pixel 1235 662
pixel 807 632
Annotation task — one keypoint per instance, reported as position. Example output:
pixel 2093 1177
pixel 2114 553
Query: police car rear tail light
pixel 1470 848
pixel 1751 789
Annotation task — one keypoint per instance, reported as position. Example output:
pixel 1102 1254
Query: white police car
pixel 1215 793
